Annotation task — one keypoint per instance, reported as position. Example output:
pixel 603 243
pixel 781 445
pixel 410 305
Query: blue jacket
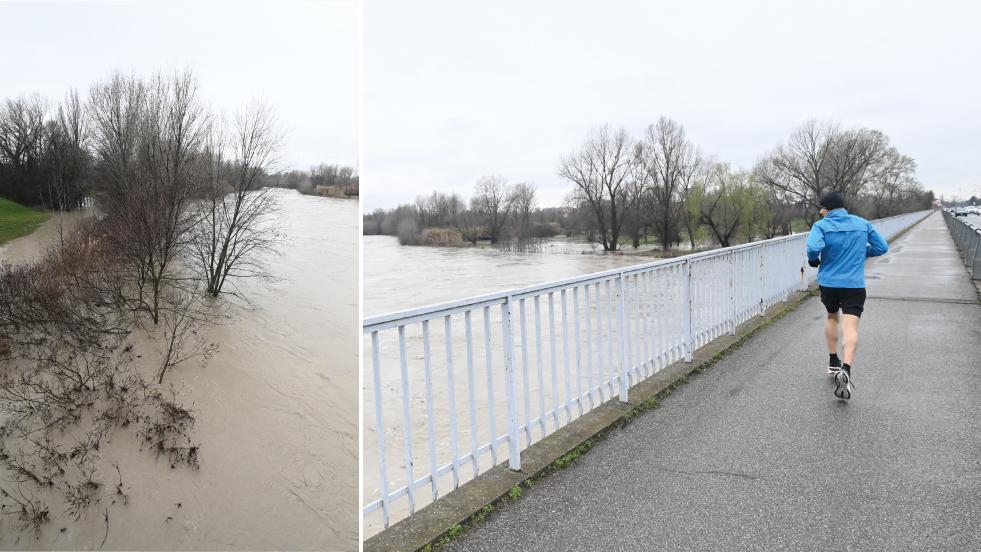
pixel 842 242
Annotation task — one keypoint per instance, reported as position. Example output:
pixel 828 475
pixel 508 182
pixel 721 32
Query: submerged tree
pixel 148 133
pixel 492 200
pixel 235 225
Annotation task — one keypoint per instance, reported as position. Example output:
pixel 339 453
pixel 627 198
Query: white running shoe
pixel 843 385
pixel 832 370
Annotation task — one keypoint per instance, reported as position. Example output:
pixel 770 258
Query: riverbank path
pixel 757 454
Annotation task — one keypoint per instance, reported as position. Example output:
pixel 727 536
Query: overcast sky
pixel 456 90
pixel 299 57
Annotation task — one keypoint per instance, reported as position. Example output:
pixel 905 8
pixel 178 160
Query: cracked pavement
pixel 756 453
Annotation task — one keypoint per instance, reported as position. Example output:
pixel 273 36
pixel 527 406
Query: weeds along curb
pixel 451 517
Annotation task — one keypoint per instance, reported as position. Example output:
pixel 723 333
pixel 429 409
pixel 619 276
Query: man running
pixel 838 244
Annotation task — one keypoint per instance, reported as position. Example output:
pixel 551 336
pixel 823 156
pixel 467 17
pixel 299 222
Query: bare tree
pixel 522 205
pixel 22 145
pixel 68 153
pixel 492 200
pixel 182 321
pixel 893 184
pixel 235 226
pixel 148 134
pixel 667 164
pixel 601 171
pixel 820 157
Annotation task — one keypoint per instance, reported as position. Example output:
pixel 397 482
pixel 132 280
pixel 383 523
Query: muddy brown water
pixel 276 411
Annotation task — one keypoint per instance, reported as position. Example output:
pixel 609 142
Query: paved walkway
pixel 756 454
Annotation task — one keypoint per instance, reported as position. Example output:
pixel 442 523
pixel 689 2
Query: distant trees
pixel 623 190
pixel 43 152
pixel 668 186
pixel 820 157
pixel 497 211
pixel 523 205
pixel 322 179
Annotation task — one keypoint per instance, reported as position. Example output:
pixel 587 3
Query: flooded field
pixel 276 412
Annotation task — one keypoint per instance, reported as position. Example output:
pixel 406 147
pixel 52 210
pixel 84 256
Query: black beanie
pixel 832 200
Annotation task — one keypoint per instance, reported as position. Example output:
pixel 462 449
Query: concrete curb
pixel 444 519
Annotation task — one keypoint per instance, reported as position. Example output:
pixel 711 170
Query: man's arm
pixel 877 244
pixel 815 245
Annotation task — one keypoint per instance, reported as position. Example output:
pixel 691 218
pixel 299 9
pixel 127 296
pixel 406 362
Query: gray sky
pixel 456 90
pixel 299 57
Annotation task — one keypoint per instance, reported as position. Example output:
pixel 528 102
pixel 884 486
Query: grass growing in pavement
pixel 17 220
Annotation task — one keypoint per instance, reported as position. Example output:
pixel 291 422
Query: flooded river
pixel 276 410
pixel 399 277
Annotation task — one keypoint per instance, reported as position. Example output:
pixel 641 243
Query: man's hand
pixel 815 263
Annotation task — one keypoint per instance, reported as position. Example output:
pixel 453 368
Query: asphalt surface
pixel 757 454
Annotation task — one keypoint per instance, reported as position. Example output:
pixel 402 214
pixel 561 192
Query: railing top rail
pixel 387 320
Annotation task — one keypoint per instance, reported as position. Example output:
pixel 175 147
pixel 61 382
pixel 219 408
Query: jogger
pixel 838 245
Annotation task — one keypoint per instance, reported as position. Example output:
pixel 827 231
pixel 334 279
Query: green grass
pixel 17 220
pixel 799 225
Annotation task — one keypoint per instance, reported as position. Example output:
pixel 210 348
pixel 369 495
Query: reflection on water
pixel 276 409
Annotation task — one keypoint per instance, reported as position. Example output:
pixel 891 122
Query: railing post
pixel 510 391
pixel 686 300
pixel 976 261
pixel 732 293
pixel 622 331
pixel 380 425
pixel 762 283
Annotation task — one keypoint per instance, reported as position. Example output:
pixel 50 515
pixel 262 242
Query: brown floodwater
pixel 276 412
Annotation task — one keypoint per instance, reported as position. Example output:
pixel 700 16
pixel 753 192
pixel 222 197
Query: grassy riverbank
pixel 17 220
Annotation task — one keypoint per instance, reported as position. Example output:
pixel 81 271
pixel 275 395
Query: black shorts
pixel 848 300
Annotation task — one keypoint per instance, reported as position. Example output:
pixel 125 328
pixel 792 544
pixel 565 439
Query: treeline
pixel 49 154
pixel 625 189
pixel 496 211
pixel 663 182
pixel 323 179
pixel 44 154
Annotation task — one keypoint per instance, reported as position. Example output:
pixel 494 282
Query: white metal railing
pixel 967 237
pixel 452 384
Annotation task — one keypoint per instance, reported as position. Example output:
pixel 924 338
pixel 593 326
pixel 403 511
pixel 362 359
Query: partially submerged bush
pixel 67 383
pixel 440 237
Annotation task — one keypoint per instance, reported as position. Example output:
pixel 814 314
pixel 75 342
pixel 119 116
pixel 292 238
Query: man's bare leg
pixel 849 338
pixel 831 333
